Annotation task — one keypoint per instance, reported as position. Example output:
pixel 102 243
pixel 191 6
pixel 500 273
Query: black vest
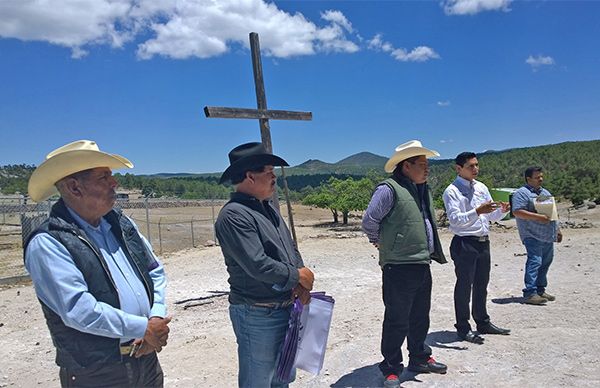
pixel 75 349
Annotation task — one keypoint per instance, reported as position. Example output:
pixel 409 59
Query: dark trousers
pixel 472 267
pixel 131 372
pixel 407 300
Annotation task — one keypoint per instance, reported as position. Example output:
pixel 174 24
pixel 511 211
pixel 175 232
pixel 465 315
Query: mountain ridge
pixel 360 163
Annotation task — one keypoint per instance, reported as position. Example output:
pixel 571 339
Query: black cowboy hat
pixel 249 156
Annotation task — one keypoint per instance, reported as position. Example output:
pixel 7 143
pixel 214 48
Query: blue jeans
pixel 539 258
pixel 260 332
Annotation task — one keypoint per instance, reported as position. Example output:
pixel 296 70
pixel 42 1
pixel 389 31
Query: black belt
pixel 475 238
pixel 275 305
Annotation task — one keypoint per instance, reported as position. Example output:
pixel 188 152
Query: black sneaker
pixel 430 366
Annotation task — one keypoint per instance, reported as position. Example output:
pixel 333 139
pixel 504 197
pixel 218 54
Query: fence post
pixel 192 225
pixel 159 236
pixel 212 205
pixel 22 206
pixel 148 221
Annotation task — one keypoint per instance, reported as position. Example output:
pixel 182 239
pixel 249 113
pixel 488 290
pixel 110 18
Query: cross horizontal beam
pixel 243 113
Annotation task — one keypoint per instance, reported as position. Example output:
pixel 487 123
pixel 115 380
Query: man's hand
pixel 157 332
pixel 143 348
pixel 559 236
pixel 307 278
pixel 544 219
pixel 301 293
pixel 505 206
pixel 487 207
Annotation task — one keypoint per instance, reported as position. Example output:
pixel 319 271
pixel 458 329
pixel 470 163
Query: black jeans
pixel 472 267
pixel 407 299
pixel 131 372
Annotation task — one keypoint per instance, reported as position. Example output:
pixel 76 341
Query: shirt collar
pixel 103 227
pixel 533 190
pixel 467 184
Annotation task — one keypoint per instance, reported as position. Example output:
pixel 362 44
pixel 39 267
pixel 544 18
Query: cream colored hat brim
pixel 404 153
pixel 41 184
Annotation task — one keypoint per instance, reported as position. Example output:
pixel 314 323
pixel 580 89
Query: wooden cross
pixel 263 115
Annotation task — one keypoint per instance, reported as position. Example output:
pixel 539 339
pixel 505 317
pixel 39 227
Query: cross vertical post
pixel 263 114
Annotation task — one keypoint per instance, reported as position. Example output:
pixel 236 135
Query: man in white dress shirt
pixel 470 210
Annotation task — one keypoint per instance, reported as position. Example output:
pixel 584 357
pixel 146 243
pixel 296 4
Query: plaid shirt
pixel 523 199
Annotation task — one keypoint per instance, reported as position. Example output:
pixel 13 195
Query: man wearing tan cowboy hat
pixel 400 222
pixel 265 269
pixel 100 286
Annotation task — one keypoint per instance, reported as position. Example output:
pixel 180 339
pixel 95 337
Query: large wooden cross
pixel 263 115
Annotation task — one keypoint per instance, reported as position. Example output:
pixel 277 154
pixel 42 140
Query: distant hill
pixel 572 171
pixel 363 158
pixel 357 164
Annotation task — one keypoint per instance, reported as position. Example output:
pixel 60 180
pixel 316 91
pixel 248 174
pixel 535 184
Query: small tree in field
pixel 341 196
pixel 323 199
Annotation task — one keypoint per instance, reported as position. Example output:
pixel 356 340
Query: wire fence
pixel 169 224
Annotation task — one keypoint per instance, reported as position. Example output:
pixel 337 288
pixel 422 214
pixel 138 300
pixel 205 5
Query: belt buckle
pixel 128 350
pixel 483 238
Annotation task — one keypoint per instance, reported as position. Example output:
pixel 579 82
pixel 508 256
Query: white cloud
pixel 378 44
pixel 174 28
pixel 418 54
pixel 338 18
pixel 443 141
pixel 443 103
pixel 536 62
pixel 69 23
pixel 472 7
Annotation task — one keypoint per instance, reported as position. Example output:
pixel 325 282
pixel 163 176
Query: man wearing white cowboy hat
pixel 400 222
pixel 265 269
pixel 100 286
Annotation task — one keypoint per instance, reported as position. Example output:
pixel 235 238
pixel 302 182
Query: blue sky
pixel 135 75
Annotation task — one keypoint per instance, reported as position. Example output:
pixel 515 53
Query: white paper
pixel 315 322
pixel 547 206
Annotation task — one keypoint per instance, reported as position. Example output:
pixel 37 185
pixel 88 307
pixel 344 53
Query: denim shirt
pixel 523 199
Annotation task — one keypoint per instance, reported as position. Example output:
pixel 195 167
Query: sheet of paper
pixel 547 206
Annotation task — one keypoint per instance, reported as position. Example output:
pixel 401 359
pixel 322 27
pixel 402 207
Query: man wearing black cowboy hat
pixel 265 269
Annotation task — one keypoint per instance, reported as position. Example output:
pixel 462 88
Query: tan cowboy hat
pixel 408 150
pixel 69 159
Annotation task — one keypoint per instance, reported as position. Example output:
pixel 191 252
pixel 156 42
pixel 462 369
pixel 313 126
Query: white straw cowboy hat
pixel 408 150
pixel 69 159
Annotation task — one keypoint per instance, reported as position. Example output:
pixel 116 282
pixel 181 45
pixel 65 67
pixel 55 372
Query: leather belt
pixel 275 305
pixel 476 238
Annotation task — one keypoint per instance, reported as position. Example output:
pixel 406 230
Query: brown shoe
pixel 535 299
pixel 551 298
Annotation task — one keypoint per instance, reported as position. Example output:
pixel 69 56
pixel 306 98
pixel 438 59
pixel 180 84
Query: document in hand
pixel 547 206
pixel 306 338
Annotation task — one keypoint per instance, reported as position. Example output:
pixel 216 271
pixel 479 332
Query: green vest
pixel 402 236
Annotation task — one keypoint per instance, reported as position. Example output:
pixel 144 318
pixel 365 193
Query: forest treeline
pixel 572 172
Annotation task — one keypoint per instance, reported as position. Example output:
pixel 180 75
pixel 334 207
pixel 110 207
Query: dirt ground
pixel 550 346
